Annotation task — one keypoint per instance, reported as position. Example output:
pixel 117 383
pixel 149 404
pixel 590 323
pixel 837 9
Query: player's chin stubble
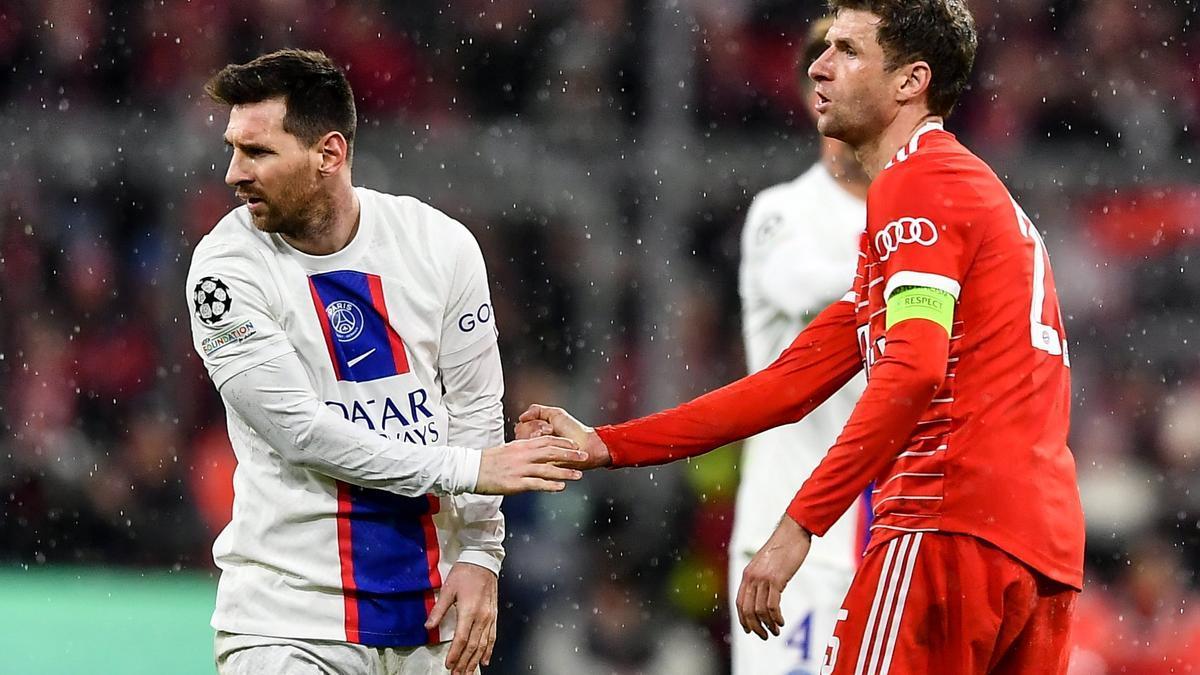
pixel 279 219
pixel 828 125
pixel 275 224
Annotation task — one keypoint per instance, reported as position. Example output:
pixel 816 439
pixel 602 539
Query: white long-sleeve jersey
pixel 359 387
pixel 799 254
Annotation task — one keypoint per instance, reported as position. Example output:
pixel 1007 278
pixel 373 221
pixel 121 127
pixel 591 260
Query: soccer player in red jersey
pixel 976 552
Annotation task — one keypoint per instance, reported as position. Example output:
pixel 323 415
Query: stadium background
pixel 603 153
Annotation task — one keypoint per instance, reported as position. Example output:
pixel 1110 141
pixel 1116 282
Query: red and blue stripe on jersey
pixel 389 554
pixel 387 543
pixel 370 350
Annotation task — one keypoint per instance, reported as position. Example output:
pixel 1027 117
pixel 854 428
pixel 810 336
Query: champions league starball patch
pixel 212 299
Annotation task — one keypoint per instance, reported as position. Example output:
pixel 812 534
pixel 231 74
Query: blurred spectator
pixel 499 46
pixel 597 641
pixel 1133 57
pixel 1144 623
pixel 587 87
pixel 384 67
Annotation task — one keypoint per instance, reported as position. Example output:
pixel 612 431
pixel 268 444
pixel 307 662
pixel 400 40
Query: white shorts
pixel 239 654
pixel 810 604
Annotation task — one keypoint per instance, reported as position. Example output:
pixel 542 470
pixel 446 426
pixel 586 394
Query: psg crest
pixel 212 300
pixel 346 320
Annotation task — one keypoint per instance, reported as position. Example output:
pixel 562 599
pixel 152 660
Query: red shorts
pixel 949 604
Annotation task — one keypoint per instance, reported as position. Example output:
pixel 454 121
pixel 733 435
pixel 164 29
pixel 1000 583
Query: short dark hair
pixel 939 32
pixel 814 47
pixel 316 93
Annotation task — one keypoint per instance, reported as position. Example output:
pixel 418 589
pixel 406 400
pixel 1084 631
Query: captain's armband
pixel 920 302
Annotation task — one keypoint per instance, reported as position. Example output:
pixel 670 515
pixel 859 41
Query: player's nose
pixel 237 173
pixel 819 70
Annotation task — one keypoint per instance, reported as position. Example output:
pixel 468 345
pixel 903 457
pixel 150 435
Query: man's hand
pixel 540 420
pixel 473 590
pixel 768 572
pixel 533 465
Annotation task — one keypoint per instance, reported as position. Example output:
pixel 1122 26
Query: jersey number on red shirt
pixel 1044 336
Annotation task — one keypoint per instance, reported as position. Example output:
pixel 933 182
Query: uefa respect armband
pixel 920 302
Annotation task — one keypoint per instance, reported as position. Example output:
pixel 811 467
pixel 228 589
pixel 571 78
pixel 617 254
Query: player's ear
pixel 335 153
pixel 917 76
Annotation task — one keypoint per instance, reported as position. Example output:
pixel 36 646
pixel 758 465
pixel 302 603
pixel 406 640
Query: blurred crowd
pixel 113 448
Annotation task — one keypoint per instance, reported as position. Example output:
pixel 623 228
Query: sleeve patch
pixel 920 302
pixel 213 300
pixel 227 337
pixel 767 231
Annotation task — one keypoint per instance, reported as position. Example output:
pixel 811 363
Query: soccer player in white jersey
pixel 799 253
pixel 350 334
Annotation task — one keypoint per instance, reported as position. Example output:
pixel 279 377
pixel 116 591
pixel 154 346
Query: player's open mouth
pixel 822 103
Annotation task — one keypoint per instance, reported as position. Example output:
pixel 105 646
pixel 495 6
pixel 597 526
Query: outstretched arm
pixel 277 401
pixel 818 362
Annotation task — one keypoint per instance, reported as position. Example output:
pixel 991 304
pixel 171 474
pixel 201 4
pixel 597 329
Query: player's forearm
pixel 343 450
pixel 474 401
pixel 819 361
pixel 276 401
pixel 900 388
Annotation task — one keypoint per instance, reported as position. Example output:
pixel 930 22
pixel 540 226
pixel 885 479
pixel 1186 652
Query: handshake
pixel 552 447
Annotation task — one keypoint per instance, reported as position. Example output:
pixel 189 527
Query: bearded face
pixel 855 92
pixel 271 170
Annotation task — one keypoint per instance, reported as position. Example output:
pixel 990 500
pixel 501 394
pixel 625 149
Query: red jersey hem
pixel 1070 577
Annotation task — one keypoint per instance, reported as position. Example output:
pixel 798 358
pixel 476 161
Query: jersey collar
pixel 914 142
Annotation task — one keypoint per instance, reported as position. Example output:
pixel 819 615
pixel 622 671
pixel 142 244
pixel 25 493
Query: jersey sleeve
pixel 920 228
pixel 277 401
pixel 233 316
pixel 474 400
pixel 786 266
pixel 469 326
pixel 901 386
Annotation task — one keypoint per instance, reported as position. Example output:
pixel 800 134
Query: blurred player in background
pixel 350 335
pixel 799 253
pixel 976 554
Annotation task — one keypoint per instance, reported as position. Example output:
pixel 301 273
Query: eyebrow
pixel 247 146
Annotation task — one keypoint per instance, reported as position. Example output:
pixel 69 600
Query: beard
pixel 831 125
pixel 856 118
pixel 272 217
pixel 853 123
pixel 296 212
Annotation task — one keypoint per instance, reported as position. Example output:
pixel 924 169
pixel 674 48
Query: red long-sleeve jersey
pixel 963 433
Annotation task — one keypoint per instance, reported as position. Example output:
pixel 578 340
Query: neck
pixel 335 222
pixel 839 160
pixel 875 153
